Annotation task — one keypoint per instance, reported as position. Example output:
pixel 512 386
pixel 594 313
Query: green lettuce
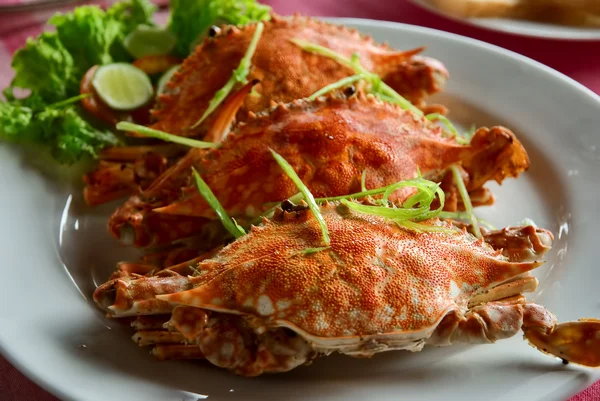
pixel 64 131
pixel 51 67
pixel 46 68
pixel 191 19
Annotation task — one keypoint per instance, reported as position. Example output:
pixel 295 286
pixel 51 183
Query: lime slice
pixel 149 41
pixel 123 86
pixel 166 77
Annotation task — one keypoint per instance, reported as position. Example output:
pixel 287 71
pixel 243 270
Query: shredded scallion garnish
pixel 69 101
pixel 239 75
pixel 342 83
pixel 363 181
pixel 307 196
pixel 378 87
pixel 230 225
pixel 424 197
pixel 462 139
pixel 153 133
pixel 462 190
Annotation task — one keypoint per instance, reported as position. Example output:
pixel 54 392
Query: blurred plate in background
pixel 520 27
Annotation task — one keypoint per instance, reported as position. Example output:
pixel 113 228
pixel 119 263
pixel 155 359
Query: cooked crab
pixel 284 70
pixel 285 73
pixel 122 171
pixel 330 142
pixel 264 304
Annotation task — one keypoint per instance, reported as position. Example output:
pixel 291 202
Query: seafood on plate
pixel 269 302
pixel 282 72
pixel 331 142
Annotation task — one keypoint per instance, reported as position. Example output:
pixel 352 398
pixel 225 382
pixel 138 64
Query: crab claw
pixel 122 171
pixel 501 156
pixel 137 296
pixel 417 77
pixel 222 123
pixel 577 342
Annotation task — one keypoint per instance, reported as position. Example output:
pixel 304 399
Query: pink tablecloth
pixel 579 60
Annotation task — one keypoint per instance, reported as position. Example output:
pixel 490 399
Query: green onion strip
pixel 153 133
pixel 380 88
pixel 239 75
pixel 462 189
pixel 363 181
pixel 230 225
pixel 307 196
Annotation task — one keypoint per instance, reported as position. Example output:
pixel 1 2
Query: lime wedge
pixel 149 41
pixel 122 86
pixel 166 77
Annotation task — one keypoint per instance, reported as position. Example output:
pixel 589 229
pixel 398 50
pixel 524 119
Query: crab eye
pixel 213 31
pixel 288 206
pixel 350 90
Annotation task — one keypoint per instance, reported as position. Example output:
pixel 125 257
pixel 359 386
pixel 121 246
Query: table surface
pixel 578 60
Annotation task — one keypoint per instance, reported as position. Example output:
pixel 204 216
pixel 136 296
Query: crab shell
pixel 329 142
pixel 284 70
pixel 378 286
pixel 269 302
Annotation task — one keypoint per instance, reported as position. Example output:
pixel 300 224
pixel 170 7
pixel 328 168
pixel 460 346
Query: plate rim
pixel 61 391
pixel 479 23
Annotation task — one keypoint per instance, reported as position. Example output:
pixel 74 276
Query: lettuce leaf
pixel 15 122
pixel 191 19
pixel 51 68
pixel 70 136
pixel 45 67
pixel 64 131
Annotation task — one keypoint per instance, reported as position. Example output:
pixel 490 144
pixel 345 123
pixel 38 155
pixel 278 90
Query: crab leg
pixel 110 181
pixel 231 342
pixel 222 124
pixel 518 244
pixel 522 244
pixel 128 295
pixel 123 170
pixel 126 269
pixel 133 153
pixel 176 351
pixel 152 337
pixel 151 322
pixel 577 342
pixel 136 296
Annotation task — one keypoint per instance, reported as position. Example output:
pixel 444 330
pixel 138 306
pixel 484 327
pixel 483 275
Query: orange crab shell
pixel 330 142
pixel 284 70
pixel 376 278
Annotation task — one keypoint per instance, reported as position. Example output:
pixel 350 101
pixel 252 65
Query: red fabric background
pixel 579 60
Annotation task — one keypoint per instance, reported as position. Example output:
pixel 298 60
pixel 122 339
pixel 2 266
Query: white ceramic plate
pixel 524 28
pixel 55 250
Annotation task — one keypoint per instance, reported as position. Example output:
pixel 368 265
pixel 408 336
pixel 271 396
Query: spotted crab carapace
pixel 330 143
pixel 281 71
pixel 285 72
pixel 264 304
